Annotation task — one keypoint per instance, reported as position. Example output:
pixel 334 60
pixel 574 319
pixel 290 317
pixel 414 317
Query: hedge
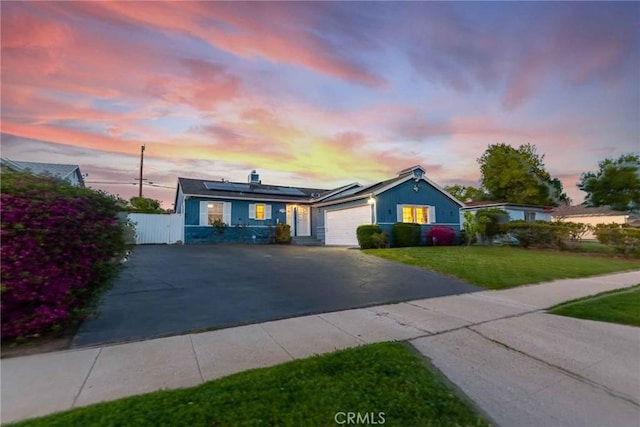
pixel 622 237
pixel 538 233
pixel 60 245
pixel 371 236
pixel 406 234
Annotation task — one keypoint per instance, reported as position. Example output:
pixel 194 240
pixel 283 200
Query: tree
pixel 466 193
pixel 518 175
pixel 615 184
pixel 144 205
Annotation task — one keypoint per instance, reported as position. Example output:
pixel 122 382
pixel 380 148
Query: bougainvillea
pixel 60 245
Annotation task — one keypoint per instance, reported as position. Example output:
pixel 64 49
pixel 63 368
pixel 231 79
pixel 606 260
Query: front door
pixel 299 218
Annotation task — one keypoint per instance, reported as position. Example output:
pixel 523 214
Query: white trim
pixel 226 212
pixel 203 218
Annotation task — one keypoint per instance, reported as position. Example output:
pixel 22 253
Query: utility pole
pixel 141 162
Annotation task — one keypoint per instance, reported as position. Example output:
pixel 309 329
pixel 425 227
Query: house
pixel 70 173
pixel 515 211
pixel 592 216
pixel 222 211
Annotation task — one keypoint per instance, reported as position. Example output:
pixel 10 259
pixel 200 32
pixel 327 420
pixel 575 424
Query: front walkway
pixel 520 365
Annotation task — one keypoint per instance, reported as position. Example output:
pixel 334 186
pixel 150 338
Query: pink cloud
pixel 241 29
pixel 576 46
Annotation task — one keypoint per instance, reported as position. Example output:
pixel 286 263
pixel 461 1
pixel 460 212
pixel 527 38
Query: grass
pixel 504 267
pixel 592 247
pixel 388 378
pixel 619 306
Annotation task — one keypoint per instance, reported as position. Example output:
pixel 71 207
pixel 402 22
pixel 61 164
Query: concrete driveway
pixel 167 290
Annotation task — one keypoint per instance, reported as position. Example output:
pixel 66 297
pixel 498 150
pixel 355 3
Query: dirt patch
pixel 46 344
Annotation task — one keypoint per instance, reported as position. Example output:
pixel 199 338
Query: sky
pixel 315 94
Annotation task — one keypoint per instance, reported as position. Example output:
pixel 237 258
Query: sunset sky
pixel 316 94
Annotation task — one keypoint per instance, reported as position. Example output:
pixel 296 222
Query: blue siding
pixel 447 211
pixel 241 230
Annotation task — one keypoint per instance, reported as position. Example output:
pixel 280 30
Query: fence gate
pixel 157 228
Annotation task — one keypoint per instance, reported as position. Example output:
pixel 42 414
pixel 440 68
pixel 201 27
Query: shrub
pixel 379 240
pixel 406 234
pixel 577 230
pixel 470 228
pixel 283 233
pixel 623 238
pixel 60 245
pixel 440 235
pixel 489 221
pixel 543 234
pixel 365 234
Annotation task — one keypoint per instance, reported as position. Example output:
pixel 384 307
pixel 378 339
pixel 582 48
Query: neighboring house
pixel 592 216
pixel 515 211
pixel 69 173
pixel 249 211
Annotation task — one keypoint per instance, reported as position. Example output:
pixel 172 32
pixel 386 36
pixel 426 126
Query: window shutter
pixel 267 211
pixel 226 213
pixel 204 213
pixel 399 212
pixel 252 211
pixel 432 214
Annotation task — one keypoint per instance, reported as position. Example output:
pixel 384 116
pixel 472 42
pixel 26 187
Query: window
pixel 259 211
pixel 215 212
pixel 530 216
pixel 422 214
pixel 407 214
pixel 210 212
pixel 416 214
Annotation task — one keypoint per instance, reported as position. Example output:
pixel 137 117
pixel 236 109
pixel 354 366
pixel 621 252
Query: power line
pixel 150 184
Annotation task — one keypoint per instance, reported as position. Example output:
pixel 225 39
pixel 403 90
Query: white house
pixel 70 173
pixel 590 215
pixel 515 211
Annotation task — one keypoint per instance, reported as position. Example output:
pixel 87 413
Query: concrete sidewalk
pixel 520 365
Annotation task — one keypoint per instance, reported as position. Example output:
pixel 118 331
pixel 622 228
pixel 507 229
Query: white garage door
pixel 340 226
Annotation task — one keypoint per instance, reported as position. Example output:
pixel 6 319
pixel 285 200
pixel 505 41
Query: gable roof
pixel 62 171
pixel 247 191
pixel 415 172
pixel 489 204
pixel 581 210
pixel 319 197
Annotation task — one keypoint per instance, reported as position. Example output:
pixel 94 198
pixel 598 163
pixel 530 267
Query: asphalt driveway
pixel 167 290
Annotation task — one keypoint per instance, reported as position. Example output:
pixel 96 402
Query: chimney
pixel 254 178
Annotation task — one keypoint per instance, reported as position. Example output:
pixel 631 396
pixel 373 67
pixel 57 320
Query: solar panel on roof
pixel 226 186
pixel 246 188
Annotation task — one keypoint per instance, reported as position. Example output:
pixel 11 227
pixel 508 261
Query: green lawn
pixel 390 381
pixel 504 267
pixel 619 306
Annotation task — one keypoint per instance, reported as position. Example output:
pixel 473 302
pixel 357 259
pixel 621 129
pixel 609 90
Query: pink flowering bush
pixel 60 246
